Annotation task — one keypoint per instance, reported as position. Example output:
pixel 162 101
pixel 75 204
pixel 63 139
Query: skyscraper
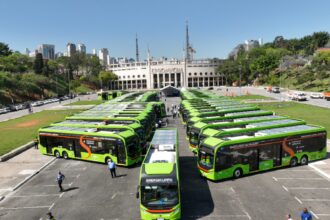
pixel 81 48
pixel 47 51
pixel 71 49
pixel 94 51
pixel 103 53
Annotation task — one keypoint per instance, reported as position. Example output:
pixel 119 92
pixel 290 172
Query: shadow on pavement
pixel 196 197
pixel 70 189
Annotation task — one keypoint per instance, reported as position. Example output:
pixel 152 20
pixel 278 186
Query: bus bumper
pixel 193 148
pixel 174 214
pixel 208 174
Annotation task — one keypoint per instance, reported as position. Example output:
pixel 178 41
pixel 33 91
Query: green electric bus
pixel 234 156
pixel 90 144
pixel 159 184
pixel 248 128
pixel 197 130
pixel 134 127
pixel 226 117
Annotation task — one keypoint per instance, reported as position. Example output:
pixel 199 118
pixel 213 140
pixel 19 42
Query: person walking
pixel 59 179
pixel 306 215
pixel 36 142
pixel 112 168
pixel 50 216
pixel 288 217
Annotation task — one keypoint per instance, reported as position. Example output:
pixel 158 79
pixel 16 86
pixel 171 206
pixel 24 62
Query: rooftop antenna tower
pixel 137 48
pixel 187 43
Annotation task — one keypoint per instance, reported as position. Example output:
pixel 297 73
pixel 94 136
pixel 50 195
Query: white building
pixel 71 49
pixel 155 74
pixel 94 51
pixel 103 54
pixel 47 51
pixel 158 74
pixel 81 48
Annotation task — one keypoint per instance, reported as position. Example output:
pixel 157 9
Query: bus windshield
pixel 194 133
pixel 205 157
pixel 159 196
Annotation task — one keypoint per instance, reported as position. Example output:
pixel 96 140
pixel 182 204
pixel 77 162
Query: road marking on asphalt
pixel 314 214
pixel 275 179
pixel 113 196
pixel 61 195
pixel 78 176
pixel 232 189
pixel 220 216
pixel 50 185
pixel 298 178
pixel 40 195
pixel 322 214
pixel 316 200
pixel 298 200
pixel 319 170
pixel 51 206
pixel 31 207
pixel 307 188
pixel 286 189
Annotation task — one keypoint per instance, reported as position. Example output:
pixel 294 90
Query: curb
pixel 32 175
pixel 16 151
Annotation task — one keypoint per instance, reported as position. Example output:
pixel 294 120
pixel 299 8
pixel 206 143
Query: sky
pixel 215 26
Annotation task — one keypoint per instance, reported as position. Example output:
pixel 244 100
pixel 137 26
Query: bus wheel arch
pixel 57 154
pixel 304 160
pixel 293 162
pixel 65 155
pixel 238 172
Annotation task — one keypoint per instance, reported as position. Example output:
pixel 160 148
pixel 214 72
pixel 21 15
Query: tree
pixel 38 64
pixel 106 77
pixel 4 49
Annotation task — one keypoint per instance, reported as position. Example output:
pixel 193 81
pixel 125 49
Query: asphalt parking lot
pixel 91 193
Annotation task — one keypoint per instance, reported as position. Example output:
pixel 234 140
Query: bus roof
pixel 266 133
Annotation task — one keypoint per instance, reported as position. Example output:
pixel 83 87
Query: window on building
pixel 211 73
pixel 195 74
pixel 189 74
pixel 128 77
pixel 205 74
pixel 144 76
pixel 124 77
pixel 200 73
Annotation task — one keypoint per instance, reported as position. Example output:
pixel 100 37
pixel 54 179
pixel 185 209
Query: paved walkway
pixel 15 171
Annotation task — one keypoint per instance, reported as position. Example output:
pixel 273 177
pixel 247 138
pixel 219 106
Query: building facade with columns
pixel 154 74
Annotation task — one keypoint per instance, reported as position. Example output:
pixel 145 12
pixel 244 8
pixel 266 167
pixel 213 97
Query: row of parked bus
pixel 118 129
pixel 232 139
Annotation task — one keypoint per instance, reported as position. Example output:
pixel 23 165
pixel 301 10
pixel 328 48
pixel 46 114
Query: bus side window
pixel 109 146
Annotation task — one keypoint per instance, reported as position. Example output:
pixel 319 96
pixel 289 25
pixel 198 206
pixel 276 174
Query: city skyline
pixel 215 27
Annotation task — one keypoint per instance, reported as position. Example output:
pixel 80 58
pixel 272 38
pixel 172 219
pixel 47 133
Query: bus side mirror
pixel 137 193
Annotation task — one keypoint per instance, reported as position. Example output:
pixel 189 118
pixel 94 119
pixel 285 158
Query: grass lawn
pixel 17 132
pixel 311 114
pixel 91 102
pixel 244 97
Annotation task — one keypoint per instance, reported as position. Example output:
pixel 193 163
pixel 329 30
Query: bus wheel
pixel 106 160
pixel 304 160
pixel 294 162
pixel 238 173
pixel 57 154
pixel 65 155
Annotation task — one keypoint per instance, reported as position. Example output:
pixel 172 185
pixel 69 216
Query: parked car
pixel 299 96
pixel 16 107
pixel 4 110
pixel 316 96
pixel 276 90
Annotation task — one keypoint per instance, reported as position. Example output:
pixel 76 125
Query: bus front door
pixel 76 149
pixel 254 159
pixel 121 153
pixel 277 161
